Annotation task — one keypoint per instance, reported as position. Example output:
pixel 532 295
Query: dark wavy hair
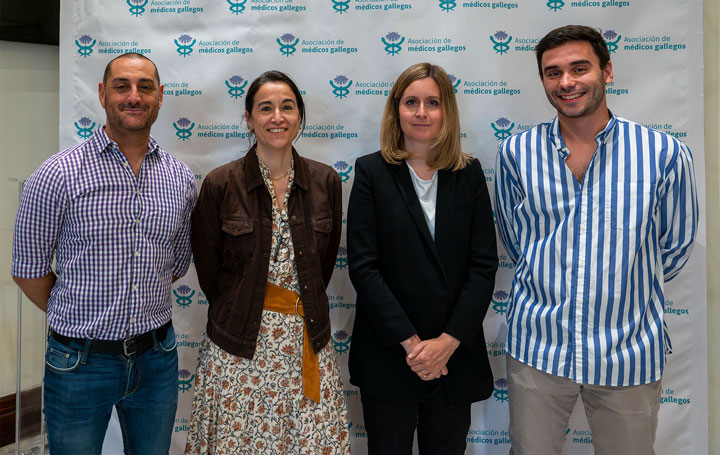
pixel 568 33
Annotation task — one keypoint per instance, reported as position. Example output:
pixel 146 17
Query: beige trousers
pixel 623 420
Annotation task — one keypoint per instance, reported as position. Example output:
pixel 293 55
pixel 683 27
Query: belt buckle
pixel 132 342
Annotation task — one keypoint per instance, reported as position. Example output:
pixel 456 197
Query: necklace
pixel 278 178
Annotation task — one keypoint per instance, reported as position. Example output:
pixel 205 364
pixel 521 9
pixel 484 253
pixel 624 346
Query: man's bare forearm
pixel 37 289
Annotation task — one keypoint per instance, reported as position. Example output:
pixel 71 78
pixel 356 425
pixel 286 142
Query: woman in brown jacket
pixel 266 230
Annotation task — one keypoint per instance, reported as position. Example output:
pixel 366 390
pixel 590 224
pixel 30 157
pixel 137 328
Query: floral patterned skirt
pixel 257 406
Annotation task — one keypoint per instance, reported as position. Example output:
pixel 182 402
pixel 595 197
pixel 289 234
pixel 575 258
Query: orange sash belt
pixel 281 300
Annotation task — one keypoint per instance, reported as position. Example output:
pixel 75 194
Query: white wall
pixel 29 111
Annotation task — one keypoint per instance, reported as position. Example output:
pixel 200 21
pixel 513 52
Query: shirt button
pixel 299 253
pixel 137 253
pixel 293 217
pixel 134 288
pixel 132 320
pixel 305 287
pixel 137 221
pixel 137 192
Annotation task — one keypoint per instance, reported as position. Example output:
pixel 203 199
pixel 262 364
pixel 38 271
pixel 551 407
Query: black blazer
pixel 407 283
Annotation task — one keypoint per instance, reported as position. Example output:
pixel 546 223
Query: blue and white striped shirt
pixel 591 258
pixel 118 239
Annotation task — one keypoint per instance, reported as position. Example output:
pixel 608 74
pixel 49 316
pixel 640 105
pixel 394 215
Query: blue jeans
pixel 81 388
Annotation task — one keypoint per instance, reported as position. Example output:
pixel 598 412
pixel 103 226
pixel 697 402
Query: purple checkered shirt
pixel 117 239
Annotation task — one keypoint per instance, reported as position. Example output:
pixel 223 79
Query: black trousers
pixel 442 429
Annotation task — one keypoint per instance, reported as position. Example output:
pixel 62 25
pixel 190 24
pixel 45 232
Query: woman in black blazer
pixel 422 257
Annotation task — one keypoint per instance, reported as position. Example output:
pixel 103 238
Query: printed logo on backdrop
pixel 341 6
pixel 341 261
pixel 495 348
pixel 504 261
pixel 488 436
pixel 287 43
pixel 670 398
pixel 174 88
pixel 183 295
pixel 328 131
pixel 182 424
pixel 237 7
pixel 500 392
pixel 642 43
pixel 341 342
pixel 185 45
pixel 85 45
pixel 500 301
pixel 501 42
pixel 186 42
pixel 137 7
pixel 183 128
pixel 579 436
pixel 488 87
pixel 455 81
pixel 503 128
pixel 326 46
pixel 185 379
pixel 160 7
pixel 341 86
pixel 671 308
pixel 611 39
pixel 338 302
pixel 343 169
pixel 236 86
pixel 450 5
pixel 557 5
pixel 393 43
pixel 383 5
pixel 442 44
pixel 85 127
pixel 611 89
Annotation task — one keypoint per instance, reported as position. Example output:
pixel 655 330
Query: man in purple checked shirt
pixel 114 211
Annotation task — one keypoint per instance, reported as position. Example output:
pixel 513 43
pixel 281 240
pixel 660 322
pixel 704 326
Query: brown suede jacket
pixel 231 236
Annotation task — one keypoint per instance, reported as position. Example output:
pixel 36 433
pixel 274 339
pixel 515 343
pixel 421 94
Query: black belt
pixel 128 346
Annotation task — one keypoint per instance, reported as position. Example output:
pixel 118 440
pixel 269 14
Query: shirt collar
pixel 559 143
pixel 101 142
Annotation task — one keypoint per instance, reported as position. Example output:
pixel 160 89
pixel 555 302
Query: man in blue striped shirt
pixel 114 211
pixel 597 212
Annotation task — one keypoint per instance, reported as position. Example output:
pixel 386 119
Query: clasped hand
pixel 428 358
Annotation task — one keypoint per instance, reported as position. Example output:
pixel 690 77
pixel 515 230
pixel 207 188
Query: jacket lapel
pixel 401 174
pixel 444 213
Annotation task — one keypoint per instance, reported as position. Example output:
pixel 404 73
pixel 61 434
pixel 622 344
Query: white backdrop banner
pixel 344 56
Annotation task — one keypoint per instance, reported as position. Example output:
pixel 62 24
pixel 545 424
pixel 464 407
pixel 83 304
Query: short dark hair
pixel 275 76
pixel 568 33
pixel 106 74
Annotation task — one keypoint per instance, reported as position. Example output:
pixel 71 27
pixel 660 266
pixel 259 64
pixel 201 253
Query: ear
pixel 160 98
pixel 101 94
pixel 608 73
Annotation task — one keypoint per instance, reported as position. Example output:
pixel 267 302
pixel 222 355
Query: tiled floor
pixel 28 446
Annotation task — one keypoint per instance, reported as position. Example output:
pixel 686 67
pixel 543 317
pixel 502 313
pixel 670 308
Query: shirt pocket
pixel 238 241
pixel 322 226
pixel 629 206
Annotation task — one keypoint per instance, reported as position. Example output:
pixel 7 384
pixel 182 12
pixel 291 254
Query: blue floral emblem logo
pixel 500 391
pixel 287 43
pixel 447 5
pixel 183 128
pixel 236 86
pixel 555 5
pixel 392 42
pixel 612 39
pixel 500 301
pixel 503 128
pixel 137 7
pixel 341 262
pixel 185 45
pixel 183 296
pixel 343 169
pixel 501 41
pixel 341 341
pixel 85 127
pixel 185 379
pixel 85 45
pixel 455 81
pixel 341 85
pixel 237 7
pixel 341 6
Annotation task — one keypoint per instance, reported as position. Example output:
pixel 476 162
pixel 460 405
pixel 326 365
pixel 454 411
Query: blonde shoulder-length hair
pixel 446 149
